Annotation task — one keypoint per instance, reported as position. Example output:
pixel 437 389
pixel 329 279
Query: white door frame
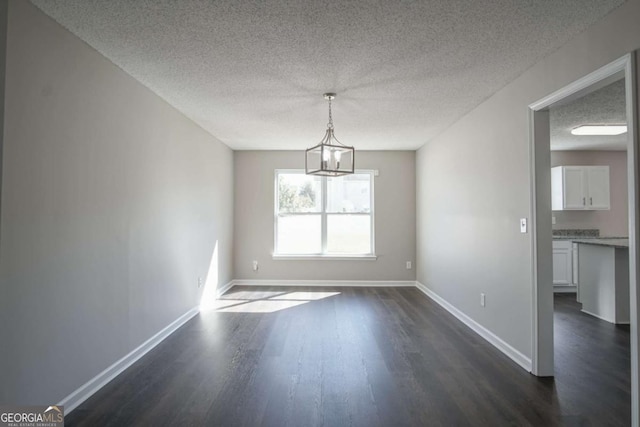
pixel 541 247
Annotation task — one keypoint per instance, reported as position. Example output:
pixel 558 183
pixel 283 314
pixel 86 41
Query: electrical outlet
pixel 553 220
pixel 482 300
pixel 408 265
pixel 255 265
pixel 199 282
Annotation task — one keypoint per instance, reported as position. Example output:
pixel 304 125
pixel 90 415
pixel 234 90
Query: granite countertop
pixel 576 233
pixel 590 236
pixel 574 238
pixel 622 243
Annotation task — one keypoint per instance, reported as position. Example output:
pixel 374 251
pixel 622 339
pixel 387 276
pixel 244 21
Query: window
pixel 323 216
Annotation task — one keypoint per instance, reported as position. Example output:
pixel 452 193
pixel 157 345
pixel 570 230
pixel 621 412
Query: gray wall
pixel 394 219
pixel 112 203
pixel 4 321
pixel 473 186
pixel 614 222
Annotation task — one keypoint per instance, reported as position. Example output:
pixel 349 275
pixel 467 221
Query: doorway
pixel 542 272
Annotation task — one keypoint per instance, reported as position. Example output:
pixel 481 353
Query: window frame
pixel 323 255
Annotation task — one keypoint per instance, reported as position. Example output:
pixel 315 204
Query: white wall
pixel 613 222
pixel 112 203
pixel 473 186
pixel 394 219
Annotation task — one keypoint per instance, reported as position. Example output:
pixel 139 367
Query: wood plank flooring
pixel 363 357
pixel 592 366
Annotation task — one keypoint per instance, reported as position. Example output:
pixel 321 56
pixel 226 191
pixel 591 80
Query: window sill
pixel 325 257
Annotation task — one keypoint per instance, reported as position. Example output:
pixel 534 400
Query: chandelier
pixel 330 157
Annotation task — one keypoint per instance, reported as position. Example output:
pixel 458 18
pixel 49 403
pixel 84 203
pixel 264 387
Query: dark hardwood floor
pixel 364 357
pixel 592 366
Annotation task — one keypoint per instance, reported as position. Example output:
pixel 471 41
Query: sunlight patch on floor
pixel 266 301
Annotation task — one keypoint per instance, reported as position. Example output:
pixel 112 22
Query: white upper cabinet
pixel 598 186
pixel 580 188
pixel 573 187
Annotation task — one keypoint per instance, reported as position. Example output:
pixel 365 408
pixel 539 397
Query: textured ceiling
pixel 604 106
pixel 252 73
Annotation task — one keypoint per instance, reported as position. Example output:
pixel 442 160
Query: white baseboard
pixel 74 400
pixel 224 289
pixel 597 316
pixel 564 289
pixel 497 342
pixel 327 283
pixel 624 322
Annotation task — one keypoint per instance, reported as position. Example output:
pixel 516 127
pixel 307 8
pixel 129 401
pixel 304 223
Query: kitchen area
pixel 596 269
pixel 590 203
pixel 590 225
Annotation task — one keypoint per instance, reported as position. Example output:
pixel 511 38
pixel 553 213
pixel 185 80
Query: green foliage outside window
pixel 293 198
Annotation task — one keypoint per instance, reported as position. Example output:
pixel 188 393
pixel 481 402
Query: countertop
pixel 622 243
pixel 576 237
pixel 588 237
pixel 575 233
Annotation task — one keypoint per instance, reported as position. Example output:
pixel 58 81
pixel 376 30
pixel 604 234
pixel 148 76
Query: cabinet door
pixel 598 187
pixel 574 262
pixel 574 187
pixel 574 253
pixel 562 267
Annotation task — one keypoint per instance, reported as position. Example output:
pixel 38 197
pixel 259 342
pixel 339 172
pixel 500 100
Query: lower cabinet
pixel 563 262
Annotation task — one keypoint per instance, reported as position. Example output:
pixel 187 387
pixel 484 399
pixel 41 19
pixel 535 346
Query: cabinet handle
pixel 591 201
pixel 583 201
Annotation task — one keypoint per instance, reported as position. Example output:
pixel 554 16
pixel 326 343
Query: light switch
pixel 523 225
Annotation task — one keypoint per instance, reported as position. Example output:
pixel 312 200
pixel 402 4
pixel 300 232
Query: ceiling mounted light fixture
pixel 599 130
pixel 330 157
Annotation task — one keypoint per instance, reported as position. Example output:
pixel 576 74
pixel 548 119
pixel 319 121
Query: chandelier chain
pixel 330 124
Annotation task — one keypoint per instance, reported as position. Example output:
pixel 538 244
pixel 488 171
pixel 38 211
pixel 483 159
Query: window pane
pixel 299 234
pixel 349 234
pixel 349 193
pixel 298 192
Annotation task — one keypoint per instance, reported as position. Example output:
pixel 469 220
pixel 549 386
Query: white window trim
pixel 323 214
